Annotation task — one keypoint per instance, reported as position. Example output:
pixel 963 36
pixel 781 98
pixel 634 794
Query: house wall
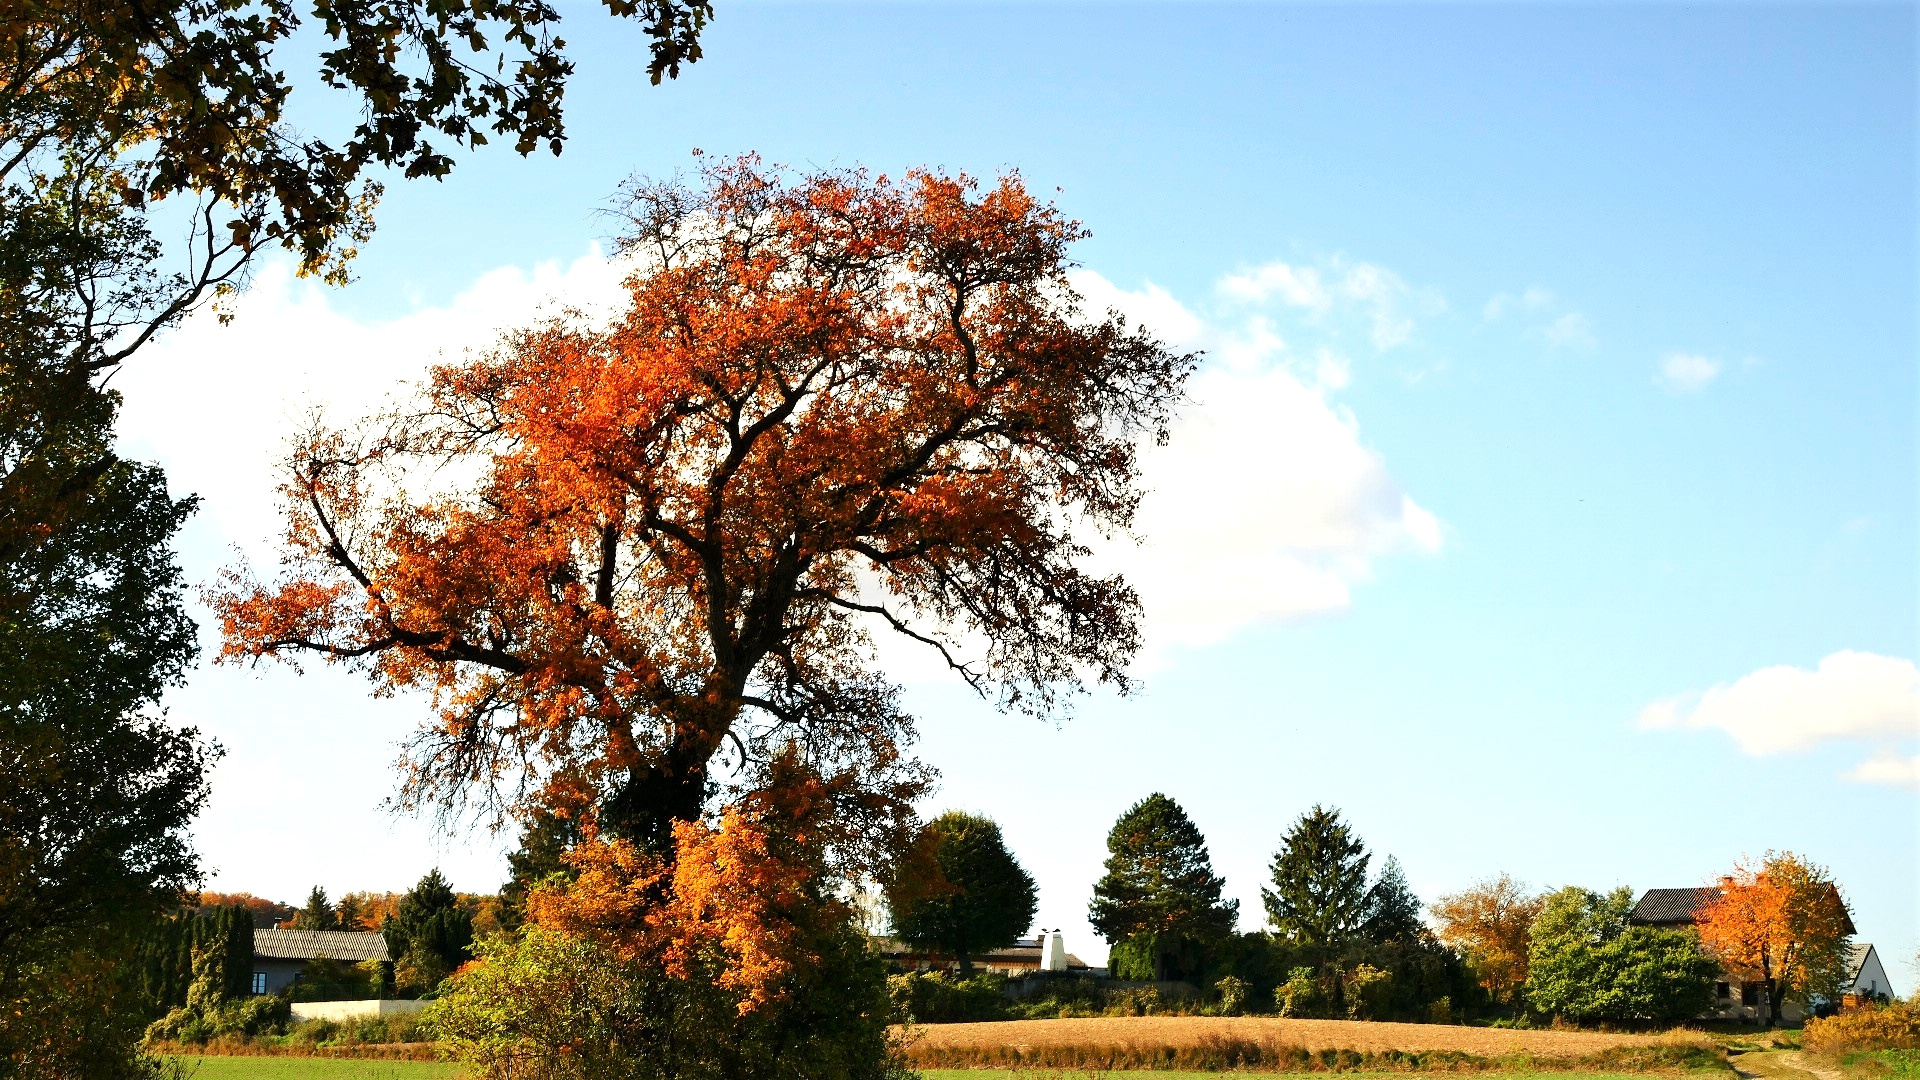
pixel 279 971
pixel 1872 979
pixel 353 1010
pixel 1733 1006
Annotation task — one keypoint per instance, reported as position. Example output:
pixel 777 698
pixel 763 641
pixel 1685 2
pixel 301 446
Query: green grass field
pixel 310 1068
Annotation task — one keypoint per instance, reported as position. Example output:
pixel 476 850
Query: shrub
pixel 1233 995
pixel 1886 1027
pixel 558 1006
pixel 1299 995
pixel 925 998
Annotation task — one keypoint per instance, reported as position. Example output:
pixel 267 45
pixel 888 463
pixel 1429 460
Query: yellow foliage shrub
pixel 1889 1027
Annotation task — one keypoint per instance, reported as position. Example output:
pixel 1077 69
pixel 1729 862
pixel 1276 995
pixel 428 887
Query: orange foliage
pixel 1782 922
pixel 264 911
pixel 724 907
pixel 1491 923
pixel 833 405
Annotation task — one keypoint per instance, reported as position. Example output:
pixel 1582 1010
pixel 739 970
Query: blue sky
pixel 1597 390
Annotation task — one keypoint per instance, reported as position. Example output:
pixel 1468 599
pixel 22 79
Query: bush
pixel 1233 995
pixel 556 1006
pixel 926 998
pixel 1886 1027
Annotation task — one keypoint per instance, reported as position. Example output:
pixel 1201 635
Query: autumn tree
pixel 1159 901
pixel 834 404
pixel 975 895
pixel 1782 923
pixel 1490 923
pixel 1319 897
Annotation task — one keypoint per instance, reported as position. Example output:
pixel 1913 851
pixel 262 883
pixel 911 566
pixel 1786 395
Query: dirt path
pixel 1781 1065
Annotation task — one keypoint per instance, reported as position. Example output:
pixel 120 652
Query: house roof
pixel 1857 954
pixel 1670 907
pixel 1025 952
pixel 307 944
pixel 1681 907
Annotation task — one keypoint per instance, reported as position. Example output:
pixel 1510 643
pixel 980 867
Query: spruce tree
pixel 1393 911
pixel 1319 894
pixel 1159 892
pixel 318 913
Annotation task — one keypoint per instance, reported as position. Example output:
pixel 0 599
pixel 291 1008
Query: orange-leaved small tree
pixel 1491 925
pixel 834 404
pixel 1782 923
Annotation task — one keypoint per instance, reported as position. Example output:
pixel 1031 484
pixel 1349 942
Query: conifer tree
pixel 1160 893
pixel 1393 911
pixel 318 913
pixel 1319 894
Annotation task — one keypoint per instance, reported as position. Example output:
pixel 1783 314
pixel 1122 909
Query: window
pixel 1750 994
pixel 1723 991
pixel 259 982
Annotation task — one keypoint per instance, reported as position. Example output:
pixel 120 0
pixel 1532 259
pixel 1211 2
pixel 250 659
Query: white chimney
pixel 1054 954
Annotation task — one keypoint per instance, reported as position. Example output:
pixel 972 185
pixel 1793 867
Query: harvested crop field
pixel 1213 1043
pixel 1312 1035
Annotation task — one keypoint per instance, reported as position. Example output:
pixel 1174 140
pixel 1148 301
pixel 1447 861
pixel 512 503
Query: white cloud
pixel 1686 373
pixel 1265 505
pixel 1382 305
pixel 1533 298
pixel 1297 286
pixel 1570 331
pixel 215 403
pixel 1889 769
pixel 1851 696
pixel 1544 317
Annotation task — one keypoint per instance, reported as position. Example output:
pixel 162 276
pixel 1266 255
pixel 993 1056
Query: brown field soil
pixel 1312 1035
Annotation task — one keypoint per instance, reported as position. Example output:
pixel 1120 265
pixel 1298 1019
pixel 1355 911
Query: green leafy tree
pixel 1320 895
pixel 1587 962
pixel 976 896
pixel 96 787
pixel 318 914
pixel 1159 900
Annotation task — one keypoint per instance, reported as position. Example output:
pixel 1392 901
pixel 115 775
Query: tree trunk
pixel 645 808
pixel 966 962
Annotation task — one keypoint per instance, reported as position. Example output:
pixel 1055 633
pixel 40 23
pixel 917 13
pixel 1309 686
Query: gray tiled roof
pixel 307 944
pixel 1671 906
pixel 1857 959
pixel 1681 907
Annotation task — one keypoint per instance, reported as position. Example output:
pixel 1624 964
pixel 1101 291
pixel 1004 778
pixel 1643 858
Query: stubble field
pixel 1312 1035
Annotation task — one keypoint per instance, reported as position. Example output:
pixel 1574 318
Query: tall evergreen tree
pixel 318 914
pixel 977 896
pixel 1159 893
pixel 1319 897
pixel 430 933
pixel 1392 910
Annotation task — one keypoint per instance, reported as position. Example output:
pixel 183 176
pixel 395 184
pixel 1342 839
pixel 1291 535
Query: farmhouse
pixel 1735 1000
pixel 1043 952
pixel 1866 978
pixel 279 955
